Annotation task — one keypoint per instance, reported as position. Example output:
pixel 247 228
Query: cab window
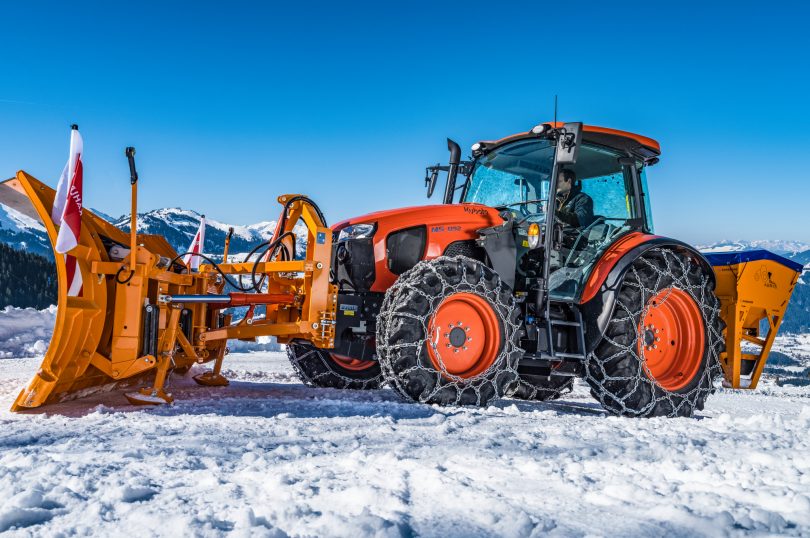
pixel 602 177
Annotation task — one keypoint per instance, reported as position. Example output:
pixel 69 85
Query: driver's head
pixel 565 181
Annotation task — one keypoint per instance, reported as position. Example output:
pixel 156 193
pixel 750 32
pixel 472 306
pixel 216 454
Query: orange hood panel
pixel 445 224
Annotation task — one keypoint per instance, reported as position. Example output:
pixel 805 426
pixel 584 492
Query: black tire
pixel 317 368
pixel 402 333
pixel 541 388
pixel 616 370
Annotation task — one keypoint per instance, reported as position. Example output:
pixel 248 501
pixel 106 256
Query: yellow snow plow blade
pixel 754 288
pixel 80 321
pixel 156 316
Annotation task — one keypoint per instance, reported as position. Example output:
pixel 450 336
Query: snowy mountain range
pixel 177 225
pixel 785 248
pixel 23 233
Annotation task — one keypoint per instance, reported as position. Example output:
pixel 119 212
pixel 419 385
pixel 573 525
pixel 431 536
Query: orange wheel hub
pixel 349 363
pixel 671 338
pixel 464 335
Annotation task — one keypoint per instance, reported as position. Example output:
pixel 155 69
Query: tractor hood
pixel 404 236
pixel 453 215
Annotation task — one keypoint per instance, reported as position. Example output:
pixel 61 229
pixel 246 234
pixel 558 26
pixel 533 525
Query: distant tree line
pixel 26 279
pixel 797 316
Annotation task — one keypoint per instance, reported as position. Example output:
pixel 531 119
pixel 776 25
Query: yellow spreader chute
pixel 754 289
pixel 154 316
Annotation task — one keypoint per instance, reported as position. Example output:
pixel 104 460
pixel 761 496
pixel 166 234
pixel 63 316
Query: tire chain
pixel 676 271
pixel 484 384
pixel 541 391
pixel 315 380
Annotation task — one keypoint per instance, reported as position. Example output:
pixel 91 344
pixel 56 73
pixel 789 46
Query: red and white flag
pixel 196 247
pixel 67 211
pixel 74 276
pixel 67 206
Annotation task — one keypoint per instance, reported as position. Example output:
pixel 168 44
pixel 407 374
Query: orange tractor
pixel 539 266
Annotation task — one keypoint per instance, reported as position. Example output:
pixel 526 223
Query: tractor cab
pixel 605 198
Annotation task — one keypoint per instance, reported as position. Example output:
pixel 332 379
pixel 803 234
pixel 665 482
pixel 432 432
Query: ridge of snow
pixel 25 332
pixel 778 246
pixel 13 220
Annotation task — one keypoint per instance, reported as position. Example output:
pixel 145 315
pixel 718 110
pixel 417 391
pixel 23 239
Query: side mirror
pixel 568 143
pixel 430 181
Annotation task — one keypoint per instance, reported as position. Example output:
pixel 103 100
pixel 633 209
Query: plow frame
pixel 129 320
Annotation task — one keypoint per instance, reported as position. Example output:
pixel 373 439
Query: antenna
pixel 555 110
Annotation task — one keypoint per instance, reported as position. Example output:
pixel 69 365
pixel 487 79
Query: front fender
pixel 598 307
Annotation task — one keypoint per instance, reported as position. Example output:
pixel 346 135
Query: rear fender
pixel 598 308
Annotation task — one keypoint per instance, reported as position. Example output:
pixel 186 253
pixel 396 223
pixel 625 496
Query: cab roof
pixel 642 146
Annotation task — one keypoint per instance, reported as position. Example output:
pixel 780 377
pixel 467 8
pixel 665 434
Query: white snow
pixel 15 221
pixel 25 332
pixel 779 246
pixel 268 456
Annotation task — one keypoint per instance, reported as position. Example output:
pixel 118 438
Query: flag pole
pixel 133 181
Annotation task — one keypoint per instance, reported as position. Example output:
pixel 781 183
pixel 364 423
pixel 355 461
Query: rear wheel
pixel 659 354
pixel 448 334
pixel 320 368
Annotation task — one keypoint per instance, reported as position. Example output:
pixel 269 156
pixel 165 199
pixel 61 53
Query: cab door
pixel 611 182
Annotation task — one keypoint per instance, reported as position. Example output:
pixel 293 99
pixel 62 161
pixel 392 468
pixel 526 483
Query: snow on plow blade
pixel 754 288
pixel 127 322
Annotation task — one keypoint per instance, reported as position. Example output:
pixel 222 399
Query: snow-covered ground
pixel 268 456
pixel 25 332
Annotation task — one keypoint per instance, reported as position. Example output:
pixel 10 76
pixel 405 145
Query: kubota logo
pixel 765 276
pixel 475 210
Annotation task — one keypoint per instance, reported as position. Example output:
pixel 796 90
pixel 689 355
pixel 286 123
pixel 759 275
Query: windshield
pixel 515 175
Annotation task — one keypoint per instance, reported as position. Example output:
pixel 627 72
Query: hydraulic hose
pixel 216 267
pixel 307 201
pixel 272 246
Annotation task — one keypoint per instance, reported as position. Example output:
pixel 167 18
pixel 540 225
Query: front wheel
pixel 659 355
pixel 448 334
pixel 320 368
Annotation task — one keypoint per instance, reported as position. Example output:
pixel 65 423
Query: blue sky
pixel 231 104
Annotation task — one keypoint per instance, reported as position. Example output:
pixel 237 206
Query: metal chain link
pixel 395 306
pixel 675 273
pixel 542 390
pixel 328 371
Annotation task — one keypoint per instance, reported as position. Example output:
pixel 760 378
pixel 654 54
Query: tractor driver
pixel 574 207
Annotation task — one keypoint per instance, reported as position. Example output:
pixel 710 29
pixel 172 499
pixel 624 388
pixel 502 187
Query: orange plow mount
pixel 141 313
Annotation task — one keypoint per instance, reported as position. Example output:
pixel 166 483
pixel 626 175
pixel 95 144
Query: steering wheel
pixel 581 232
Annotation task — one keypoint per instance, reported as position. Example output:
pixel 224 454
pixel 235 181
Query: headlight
pixel 357 231
pixel 534 235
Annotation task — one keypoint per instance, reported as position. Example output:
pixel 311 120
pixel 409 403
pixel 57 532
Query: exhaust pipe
pixel 452 171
